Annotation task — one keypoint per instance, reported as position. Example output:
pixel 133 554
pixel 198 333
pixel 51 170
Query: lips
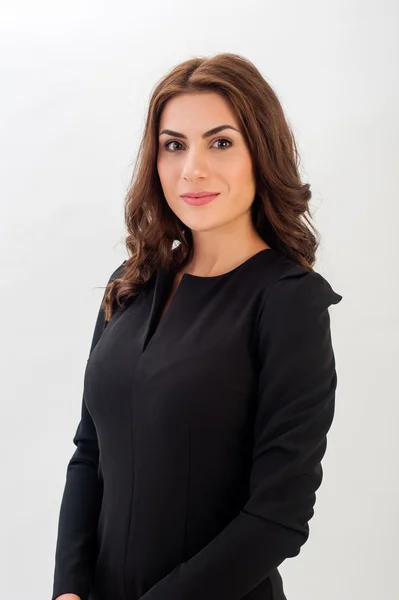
pixel 199 198
pixel 199 194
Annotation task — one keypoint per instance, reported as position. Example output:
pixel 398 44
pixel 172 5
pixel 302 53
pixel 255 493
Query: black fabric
pixel 200 441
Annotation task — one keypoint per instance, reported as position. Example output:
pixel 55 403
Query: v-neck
pixel 168 299
pixel 163 287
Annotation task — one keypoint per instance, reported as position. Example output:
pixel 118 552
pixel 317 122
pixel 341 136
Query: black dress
pixel 200 442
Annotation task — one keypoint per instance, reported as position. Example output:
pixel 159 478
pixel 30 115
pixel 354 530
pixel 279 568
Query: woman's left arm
pixel 295 409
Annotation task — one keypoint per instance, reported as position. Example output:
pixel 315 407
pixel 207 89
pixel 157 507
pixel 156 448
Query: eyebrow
pixel 204 135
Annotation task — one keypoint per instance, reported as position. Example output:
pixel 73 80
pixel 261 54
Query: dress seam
pixel 131 493
pixel 184 552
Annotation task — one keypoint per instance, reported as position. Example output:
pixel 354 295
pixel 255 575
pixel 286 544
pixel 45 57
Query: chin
pixel 203 224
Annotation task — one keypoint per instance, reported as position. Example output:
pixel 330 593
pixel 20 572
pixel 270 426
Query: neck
pixel 220 250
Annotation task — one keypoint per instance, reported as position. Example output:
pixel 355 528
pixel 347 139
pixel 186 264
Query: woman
pixel 210 384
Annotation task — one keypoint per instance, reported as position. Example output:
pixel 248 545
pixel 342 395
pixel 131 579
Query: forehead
pixel 196 113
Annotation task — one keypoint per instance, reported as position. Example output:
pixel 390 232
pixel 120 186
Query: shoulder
pixel 117 272
pixel 295 293
pixel 294 321
pixel 305 287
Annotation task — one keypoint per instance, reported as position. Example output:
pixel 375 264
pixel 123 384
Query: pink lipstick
pixel 199 198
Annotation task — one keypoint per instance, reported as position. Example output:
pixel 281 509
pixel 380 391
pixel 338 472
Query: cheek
pixel 163 173
pixel 166 171
pixel 241 174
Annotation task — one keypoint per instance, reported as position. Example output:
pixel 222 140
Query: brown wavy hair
pixel 280 210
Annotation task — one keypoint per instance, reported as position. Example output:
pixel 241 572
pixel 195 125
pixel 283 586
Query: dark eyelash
pixel 217 140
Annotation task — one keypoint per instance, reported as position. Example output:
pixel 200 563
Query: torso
pixel 171 411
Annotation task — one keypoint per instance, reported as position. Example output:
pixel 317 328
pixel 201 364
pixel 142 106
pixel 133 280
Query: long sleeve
pixel 294 410
pixel 81 502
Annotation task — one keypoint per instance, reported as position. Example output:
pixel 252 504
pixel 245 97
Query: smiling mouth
pixel 199 200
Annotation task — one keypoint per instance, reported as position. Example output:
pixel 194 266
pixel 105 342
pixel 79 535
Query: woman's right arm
pixel 76 547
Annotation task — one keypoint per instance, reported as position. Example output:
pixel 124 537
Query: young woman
pixel 210 384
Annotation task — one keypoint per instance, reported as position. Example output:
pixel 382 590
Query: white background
pixel 75 83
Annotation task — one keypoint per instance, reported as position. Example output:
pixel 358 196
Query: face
pixel 192 160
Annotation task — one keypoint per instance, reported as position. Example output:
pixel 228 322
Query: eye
pixel 223 140
pixel 166 145
pixel 171 142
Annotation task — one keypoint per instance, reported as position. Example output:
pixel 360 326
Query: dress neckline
pixel 254 257
pixel 192 288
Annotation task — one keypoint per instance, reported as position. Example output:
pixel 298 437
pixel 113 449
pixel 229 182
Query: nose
pixel 194 166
